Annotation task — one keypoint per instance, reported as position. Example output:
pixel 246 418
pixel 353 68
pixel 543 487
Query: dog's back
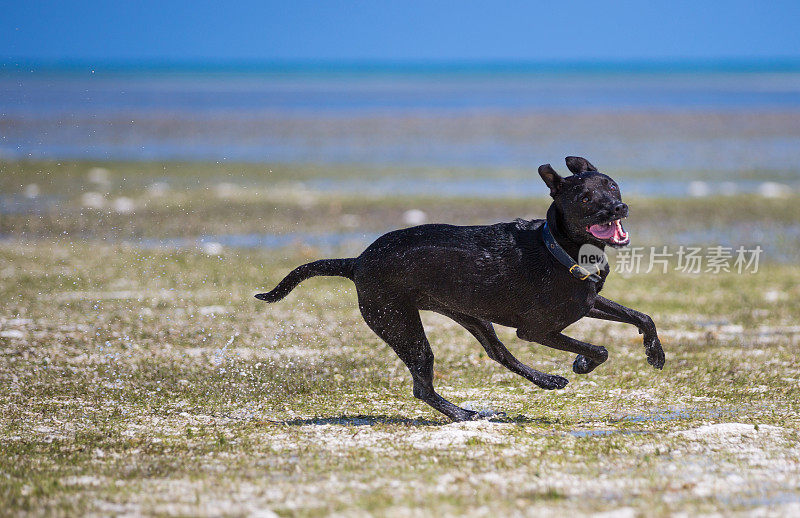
pixel 492 272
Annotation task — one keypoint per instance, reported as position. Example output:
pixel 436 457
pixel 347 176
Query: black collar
pixel 561 255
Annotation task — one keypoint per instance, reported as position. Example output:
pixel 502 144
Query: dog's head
pixel 589 203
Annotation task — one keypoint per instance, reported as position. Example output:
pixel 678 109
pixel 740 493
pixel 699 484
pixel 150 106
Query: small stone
pixel 414 217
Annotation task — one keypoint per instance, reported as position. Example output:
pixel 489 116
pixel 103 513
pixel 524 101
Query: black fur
pixel 479 275
pixel 336 267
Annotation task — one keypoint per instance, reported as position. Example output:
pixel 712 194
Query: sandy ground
pixel 138 380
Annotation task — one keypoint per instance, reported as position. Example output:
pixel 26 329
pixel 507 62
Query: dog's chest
pixel 559 301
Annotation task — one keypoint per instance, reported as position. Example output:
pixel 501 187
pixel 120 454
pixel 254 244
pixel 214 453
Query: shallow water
pixel 494 187
pixel 85 91
pixel 703 121
pixel 19 204
pixel 779 242
pixel 685 413
pixel 325 242
pixel 601 433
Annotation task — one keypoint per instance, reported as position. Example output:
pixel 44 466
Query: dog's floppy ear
pixel 578 164
pixel 551 178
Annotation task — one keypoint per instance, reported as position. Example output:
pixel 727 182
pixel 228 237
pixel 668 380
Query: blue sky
pixel 291 30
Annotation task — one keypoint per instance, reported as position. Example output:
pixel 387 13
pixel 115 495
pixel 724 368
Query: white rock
pixel 774 295
pixel 457 434
pixel 93 200
pixel 622 512
pixel 414 217
pixel 158 188
pixel 19 321
pixel 98 175
pixel 210 310
pixel 774 190
pixel 12 333
pixel 728 431
pixel 84 480
pixel 124 205
pixel 698 189
pixel 225 189
pixel 31 190
pixel 212 248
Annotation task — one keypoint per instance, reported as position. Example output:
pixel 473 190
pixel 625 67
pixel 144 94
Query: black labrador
pixel 521 274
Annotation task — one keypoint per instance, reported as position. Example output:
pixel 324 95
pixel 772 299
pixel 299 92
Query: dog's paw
pixel 552 382
pixel 583 365
pixel 655 354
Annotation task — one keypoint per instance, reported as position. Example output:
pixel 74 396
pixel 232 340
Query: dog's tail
pixel 336 267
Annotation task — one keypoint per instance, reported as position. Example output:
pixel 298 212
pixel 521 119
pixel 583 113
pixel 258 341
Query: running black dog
pixel 521 274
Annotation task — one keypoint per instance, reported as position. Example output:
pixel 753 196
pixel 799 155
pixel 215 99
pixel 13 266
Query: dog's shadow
pixel 373 420
pixel 361 420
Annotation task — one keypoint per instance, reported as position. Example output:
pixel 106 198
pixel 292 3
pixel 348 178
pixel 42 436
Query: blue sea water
pixel 87 92
pixel 715 120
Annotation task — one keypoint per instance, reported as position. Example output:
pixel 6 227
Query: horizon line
pixel 775 64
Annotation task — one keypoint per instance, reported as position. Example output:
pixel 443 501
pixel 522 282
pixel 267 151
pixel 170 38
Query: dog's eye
pixel 585 199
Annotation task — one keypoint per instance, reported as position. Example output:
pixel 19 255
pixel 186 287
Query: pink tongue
pixel 603 231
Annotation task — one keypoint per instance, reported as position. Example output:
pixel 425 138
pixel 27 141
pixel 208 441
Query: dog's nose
pixel 621 210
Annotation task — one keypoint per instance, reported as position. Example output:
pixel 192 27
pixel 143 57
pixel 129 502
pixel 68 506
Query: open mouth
pixel 611 232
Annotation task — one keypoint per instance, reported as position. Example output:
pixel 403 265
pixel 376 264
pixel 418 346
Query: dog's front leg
pixel 609 310
pixel 589 355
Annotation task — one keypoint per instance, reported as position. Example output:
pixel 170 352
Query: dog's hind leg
pixel 484 332
pixel 399 325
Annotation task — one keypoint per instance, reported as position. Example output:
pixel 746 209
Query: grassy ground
pixel 138 380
